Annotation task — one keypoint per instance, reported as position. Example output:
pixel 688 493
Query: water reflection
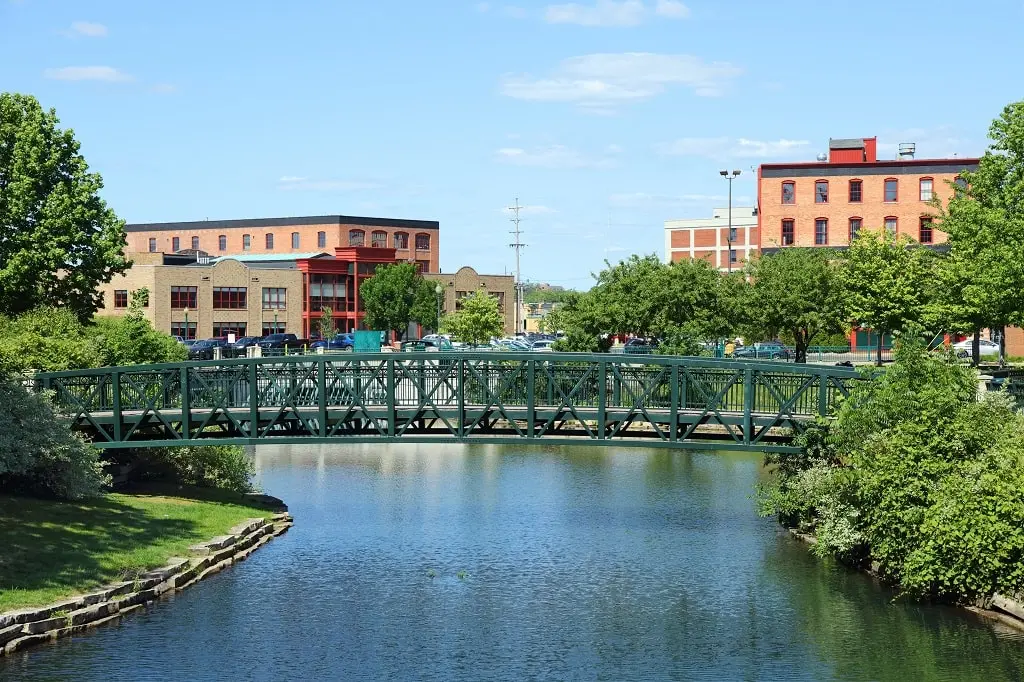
pixel 493 562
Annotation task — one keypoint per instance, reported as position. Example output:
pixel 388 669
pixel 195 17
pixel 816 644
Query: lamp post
pixel 732 234
pixel 275 321
pixel 438 291
pixel 186 324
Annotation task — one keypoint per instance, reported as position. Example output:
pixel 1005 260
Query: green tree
pixel 981 281
pixel 60 240
pixel 477 321
pixel 794 291
pixel 325 325
pixel 887 281
pixel 397 295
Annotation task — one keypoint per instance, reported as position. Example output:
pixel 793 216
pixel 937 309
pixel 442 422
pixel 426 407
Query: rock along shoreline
pixel 27 627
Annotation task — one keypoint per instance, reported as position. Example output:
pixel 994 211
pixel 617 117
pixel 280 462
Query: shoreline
pixel 27 627
pixel 1006 611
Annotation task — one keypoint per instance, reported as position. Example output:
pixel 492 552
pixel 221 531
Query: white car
pixel 985 346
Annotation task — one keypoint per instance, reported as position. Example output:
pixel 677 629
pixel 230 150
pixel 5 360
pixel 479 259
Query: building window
pixel 176 244
pixel 356 237
pixel 229 298
pixel 321 240
pixel 423 266
pixel 961 187
pixel 856 187
pixel 732 255
pixel 152 245
pixel 926 189
pixel 222 242
pixel 379 240
pixel 821 192
pixel 890 226
pixel 295 240
pixel 120 298
pixel 821 232
pixel 195 243
pixel 270 241
pixel 732 234
pixel 185 331
pixel 273 328
pixel 789 192
pixel 423 242
pixel 184 297
pixel 925 235
pixel 246 242
pixel 787 232
pixel 225 328
pixel 891 189
pixel 500 295
pixel 274 298
pixel 855 224
pixel 401 240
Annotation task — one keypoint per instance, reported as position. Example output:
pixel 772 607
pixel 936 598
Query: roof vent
pixel 906 150
pixel 823 157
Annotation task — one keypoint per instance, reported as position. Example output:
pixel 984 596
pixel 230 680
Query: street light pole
pixel 731 237
pixel 186 324
pixel 438 290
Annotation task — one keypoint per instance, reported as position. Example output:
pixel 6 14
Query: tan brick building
pixel 413 240
pixel 710 238
pixel 823 203
pixel 466 280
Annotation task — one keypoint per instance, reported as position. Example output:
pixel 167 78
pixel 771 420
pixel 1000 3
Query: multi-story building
pixel 711 238
pixel 466 280
pixel 825 203
pixel 413 240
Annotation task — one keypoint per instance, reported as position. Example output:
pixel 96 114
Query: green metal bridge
pixel 497 397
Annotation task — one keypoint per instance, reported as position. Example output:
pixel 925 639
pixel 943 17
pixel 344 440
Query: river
pixel 457 563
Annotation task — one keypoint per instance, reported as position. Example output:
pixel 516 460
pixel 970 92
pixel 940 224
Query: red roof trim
pixel 869 164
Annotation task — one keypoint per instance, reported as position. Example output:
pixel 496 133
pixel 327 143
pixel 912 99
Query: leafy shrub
pixel 38 452
pixel 131 340
pixel 225 467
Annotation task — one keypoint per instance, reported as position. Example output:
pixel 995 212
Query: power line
pixel 518 246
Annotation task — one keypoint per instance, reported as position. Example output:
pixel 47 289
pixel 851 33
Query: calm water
pixel 481 563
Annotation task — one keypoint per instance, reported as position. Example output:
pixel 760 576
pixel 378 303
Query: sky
pixel 603 117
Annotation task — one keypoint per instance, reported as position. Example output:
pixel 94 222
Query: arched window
pixel 295 240
pixel 891 190
pixel 175 244
pixel 926 189
pixel 891 226
pixel 788 231
pixel 821 192
pixel 246 242
pixel 356 237
pixel 195 243
pixel 789 192
pixel 925 235
pixel 401 240
pixel 379 239
pixel 270 241
pixel 423 242
pixel 821 231
pixel 321 240
pixel 855 224
pixel 222 242
pixel 856 191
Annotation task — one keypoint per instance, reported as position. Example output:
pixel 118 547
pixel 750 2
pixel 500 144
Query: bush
pixel 916 475
pixel 225 467
pixel 38 452
pixel 131 340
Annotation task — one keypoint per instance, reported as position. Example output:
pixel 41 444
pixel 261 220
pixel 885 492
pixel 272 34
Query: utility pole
pixel 731 235
pixel 518 246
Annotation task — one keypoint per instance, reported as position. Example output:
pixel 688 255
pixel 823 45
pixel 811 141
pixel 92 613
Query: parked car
pixel 640 346
pixel 437 343
pixel 511 345
pixel 963 349
pixel 544 346
pixel 203 350
pixel 769 350
pixel 343 341
pixel 281 342
pixel 240 346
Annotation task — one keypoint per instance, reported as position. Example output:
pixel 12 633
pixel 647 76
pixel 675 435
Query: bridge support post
pixel 254 400
pixel 673 417
pixel 115 397
pixel 602 399
pixel 822 394
pixel 531 385
pixel 460 396
pixel 748 404
pixel 321 393
pixel 389 368
pixel 186 405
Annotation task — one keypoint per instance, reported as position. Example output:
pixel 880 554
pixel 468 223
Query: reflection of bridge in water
pixel 499 397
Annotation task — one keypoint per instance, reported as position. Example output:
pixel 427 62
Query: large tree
pixel 795 291
pixel 981 282
pixel 58 240
pixel 888 280
pixel 477 321
pixel 397 295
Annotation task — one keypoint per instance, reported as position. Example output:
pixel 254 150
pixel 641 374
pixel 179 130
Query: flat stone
pixel 1010 606
pixel 40 626
pixel 11 632
pixel 174 566
pixel 248 526
pixel 89 614
pixel 221 541
pixel 21 643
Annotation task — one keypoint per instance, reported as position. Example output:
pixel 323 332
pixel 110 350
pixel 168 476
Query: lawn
pixel 52 550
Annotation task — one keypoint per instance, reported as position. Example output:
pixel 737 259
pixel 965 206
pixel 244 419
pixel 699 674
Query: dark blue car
pixel 338 342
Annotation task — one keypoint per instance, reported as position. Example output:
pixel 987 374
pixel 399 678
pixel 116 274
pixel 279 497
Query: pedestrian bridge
pixel 496 397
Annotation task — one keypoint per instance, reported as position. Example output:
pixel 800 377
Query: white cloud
pixel 87 73
pixel 292 182
pixel 619 13
pixel 89 29
pixel 552 156
pixel 733 148
pixel 603 80
pixel 164 89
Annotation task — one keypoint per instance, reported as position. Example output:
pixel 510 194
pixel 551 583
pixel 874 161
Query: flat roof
pixel 823 169
pixel 285 222
pixel 269 257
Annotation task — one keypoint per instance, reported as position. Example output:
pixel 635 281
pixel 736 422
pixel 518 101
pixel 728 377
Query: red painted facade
pixel 335 281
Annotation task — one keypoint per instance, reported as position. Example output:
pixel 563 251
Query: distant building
pixel 710 238
pixel 465 281
pixel 823 203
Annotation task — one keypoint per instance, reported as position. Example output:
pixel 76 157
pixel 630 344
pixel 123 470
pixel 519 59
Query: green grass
pixel 53 550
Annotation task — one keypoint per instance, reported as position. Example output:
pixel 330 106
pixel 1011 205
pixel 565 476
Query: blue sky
pixel 604 117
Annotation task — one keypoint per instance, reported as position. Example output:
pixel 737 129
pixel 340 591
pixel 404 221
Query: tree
pixel 887 280
pixel 325 325
pixel 981 282
pixel 796 291
pixel 59 239
pixel 397 295
pixel 477 321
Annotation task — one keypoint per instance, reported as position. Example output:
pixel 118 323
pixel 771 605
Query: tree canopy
pixel 58 239
pixel 477 321
pixel 397 295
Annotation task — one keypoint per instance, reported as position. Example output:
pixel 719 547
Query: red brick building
pixel 411 240
pixel 823 203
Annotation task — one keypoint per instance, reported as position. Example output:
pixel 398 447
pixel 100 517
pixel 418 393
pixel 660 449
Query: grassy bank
pixel 52 550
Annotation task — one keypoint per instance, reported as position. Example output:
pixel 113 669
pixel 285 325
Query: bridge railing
pixel 530 394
